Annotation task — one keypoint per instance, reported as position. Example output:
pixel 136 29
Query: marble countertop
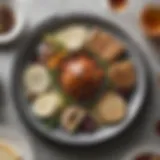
pixel 140 134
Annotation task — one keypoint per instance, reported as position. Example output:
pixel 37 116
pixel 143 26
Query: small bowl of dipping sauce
pixel 7 19
pixel 118 5
pixel 150 20
pixel 11 21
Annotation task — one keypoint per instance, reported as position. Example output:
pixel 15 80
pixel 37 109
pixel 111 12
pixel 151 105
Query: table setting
pixel 79 80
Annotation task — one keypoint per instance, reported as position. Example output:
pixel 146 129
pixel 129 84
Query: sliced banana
pixel 72 37
pixel 8 153
pixel 112 108
pixel 72 117
pixel 36 79
pixel 47 105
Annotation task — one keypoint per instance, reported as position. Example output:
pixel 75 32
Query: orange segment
pixel 54 60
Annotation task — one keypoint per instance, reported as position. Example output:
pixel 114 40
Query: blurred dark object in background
pixel 144 156
pixel 150 20
pixel 118 5
pixel 148 156
pixel 7 19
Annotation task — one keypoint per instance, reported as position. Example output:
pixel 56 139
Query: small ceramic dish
pixel 19 21
pixel 150 20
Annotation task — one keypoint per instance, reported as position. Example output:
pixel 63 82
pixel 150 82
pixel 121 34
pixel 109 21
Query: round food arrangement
pixel 80 79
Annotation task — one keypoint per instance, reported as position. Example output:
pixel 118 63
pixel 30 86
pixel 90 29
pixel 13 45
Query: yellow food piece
pixel 111 108
pixel 54 60
pixel 8 153
pixel 73 37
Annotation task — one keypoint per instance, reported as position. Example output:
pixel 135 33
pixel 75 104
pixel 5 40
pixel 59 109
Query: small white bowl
pixel 19 22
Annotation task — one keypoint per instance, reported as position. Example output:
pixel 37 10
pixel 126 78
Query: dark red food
pixel 81 77
pixel 145 156
pixel 7 19
pixel 88 125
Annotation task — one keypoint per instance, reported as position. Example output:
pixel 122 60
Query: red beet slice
pixel 88 125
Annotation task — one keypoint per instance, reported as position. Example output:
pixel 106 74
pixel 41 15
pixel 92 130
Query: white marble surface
pixel 141 133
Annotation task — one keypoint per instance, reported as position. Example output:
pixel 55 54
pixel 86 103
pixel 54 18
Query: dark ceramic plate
pixel 58 135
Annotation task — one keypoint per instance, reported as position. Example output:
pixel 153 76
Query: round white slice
pixel 112 108
pixel 36 79
pixel 47 105
pixel 73 37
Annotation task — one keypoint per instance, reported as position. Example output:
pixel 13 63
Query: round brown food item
pixel 111 108
pixel 122 74
pixel 72 117
pixel 7 19
pixel 81 77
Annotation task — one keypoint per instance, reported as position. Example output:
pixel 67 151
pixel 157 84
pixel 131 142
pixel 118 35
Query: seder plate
pixel 57 135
